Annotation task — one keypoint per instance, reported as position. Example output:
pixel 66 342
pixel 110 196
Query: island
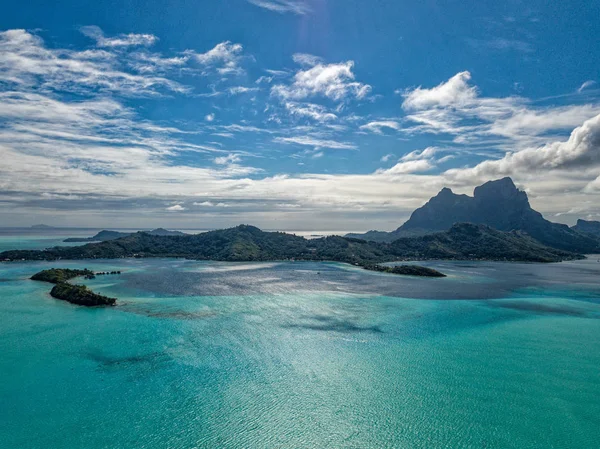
pixel 75 294
pixel 245 243
pixel 105 235
pixel 406 270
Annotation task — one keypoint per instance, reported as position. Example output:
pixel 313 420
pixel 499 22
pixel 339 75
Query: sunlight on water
pixel 203 354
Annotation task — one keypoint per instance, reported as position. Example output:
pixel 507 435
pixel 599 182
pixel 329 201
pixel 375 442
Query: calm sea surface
pixel 302 355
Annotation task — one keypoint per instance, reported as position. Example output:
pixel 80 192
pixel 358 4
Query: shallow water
pixel 207 354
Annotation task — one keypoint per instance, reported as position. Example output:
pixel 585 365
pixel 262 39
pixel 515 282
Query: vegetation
pixel 498 204
pixel 467 241
pixel 103 236
pixel 248 243
pixel 80 295
pixel 75 294
pixel 59 275
pixel 406 270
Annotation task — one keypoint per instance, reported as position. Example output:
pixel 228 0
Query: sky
pixel 317 115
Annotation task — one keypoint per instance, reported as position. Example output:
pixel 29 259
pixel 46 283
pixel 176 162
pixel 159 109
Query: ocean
pixel 301 355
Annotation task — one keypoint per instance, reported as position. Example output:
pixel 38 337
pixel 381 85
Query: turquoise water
pixel 303 355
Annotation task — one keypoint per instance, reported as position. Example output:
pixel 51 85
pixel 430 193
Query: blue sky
pixel 292 114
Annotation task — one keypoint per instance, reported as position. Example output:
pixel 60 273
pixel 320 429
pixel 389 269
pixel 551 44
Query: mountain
pixel 587 227
pixel 469 241
pixel 104 236
pixel 248 243
pixel 498 204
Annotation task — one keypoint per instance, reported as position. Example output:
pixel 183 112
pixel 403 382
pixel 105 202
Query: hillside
pixel 105 235
pixel 498 204
pixel 248 243
pixel 470 241
pixel 587 227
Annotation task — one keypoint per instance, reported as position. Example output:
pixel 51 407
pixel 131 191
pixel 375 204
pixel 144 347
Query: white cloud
pixel 310 110
pixel 299 7
pixel 427 153
pixel 122 40
pixel 454 92
pixel 455 107
pixel 26 62
pixel 334 81
pixel 386 157
pixel 229 159
pixel 224 57
pixel 237 90
pixel 145 62
pixel 209 117
pixel 377 127
pixel 317 143
pixel 402 168
pixel 306 59
pixel 586 85
pixel 580 152
pixel 176 208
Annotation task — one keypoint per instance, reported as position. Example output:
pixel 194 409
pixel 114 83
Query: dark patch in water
pixel 176 314
pixel 108 361
pixel 333 324
pixel 546 309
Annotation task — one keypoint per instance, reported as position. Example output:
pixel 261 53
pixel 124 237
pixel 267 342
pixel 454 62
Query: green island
pixel 244 243
pixel 406 270
pixel 75 294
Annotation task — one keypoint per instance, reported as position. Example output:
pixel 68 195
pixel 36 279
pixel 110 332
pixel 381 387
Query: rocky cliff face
pixel 498 204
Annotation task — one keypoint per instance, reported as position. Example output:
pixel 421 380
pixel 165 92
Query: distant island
pixel 105 235
pixel 75 294
pixel 506 228
pixel 499 205
pixel 407 270
pixel 463 241
pixel 42 226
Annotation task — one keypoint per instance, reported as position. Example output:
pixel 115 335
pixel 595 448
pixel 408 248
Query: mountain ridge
pixel 498 204
pixel 246 243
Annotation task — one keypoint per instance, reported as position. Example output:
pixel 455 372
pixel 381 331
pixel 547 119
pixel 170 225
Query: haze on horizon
pixel 292 114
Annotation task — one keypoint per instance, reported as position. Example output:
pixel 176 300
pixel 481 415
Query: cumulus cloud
pixel 176 208
pixel 580 152
pixel 456 107
pixel 333 81
pixel 454 92
pixel 224 58
pixel 404 167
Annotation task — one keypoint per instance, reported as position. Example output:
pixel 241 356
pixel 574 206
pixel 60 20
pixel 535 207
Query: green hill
pixel 248 243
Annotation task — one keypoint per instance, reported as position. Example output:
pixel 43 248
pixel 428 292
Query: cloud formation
pixel 299 7
pixel 122 40
pixel 333 81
